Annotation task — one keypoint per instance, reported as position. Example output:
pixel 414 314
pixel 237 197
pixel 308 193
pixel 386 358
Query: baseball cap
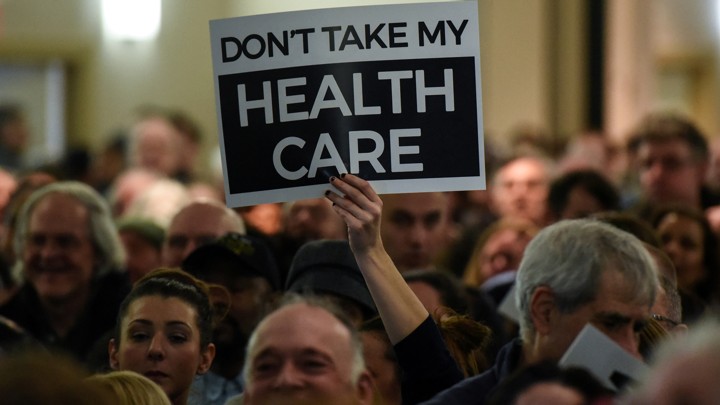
pixel 247 255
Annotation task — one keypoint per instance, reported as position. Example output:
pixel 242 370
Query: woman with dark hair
pixel 581 193
pixel 163 331
pixel 687 238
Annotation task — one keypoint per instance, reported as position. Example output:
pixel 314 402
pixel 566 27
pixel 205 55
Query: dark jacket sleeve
pixel 426 364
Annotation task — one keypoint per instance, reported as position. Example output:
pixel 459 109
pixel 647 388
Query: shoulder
pixel 473 390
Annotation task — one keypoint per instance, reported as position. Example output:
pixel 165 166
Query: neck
pixel 180 399
pixel 63 313
pixel 533 351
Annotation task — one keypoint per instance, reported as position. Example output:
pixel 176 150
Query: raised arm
pixel 361 208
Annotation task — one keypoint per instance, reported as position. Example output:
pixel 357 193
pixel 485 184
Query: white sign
pixel 390 93
pixel 606 360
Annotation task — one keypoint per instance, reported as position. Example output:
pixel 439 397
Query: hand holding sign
pixel 360 208
pixel 391 93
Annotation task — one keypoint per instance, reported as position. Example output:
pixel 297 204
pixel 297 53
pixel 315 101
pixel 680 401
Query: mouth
pixel 50 271
pixel 156 375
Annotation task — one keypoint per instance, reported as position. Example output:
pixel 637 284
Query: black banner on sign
pixel 383 120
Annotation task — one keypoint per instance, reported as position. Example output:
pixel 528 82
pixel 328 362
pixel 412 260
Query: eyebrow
pixel 618 318
pixel 271 351
pixel 146 322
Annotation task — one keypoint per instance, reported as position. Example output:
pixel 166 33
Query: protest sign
pixel 602 357
pixel 390 93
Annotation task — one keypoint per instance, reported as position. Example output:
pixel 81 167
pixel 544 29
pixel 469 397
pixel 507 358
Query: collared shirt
pixel 213 389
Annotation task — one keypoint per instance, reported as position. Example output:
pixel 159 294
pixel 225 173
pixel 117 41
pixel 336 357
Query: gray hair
pixel 102 231
pixel 570 256
pixel 358 361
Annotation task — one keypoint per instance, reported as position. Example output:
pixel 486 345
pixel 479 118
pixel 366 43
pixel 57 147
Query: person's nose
pixel 629 340
pixel 418 234
pixel 288 377
pixel 49 249
pixel 156 350
pixel 500 262
pixel 672 249
pixel 654 171
pixel 303 216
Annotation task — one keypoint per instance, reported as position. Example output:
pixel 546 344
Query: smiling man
pixel 304 354
pixel 70 256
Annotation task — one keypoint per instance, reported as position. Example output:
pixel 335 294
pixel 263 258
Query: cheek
pixel 187 359
pixel 697 256
pixel 130 356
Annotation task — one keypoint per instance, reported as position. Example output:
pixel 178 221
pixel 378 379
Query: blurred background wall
pixel 555 67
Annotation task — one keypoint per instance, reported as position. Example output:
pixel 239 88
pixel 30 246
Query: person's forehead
pixel 301 327
pixel 58 204
pixel 617 295
pixel 668 147
pixel 676 218
pixel 200 218
pixel 521 169
pixel 550 392
pixel 155 126
pixel 415 203
pixel 161 310
pixel 506 235
pixel 312 203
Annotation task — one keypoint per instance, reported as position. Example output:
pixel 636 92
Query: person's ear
pixel 365 390
pixel 113 355
pixel 206 359
pixel 542 308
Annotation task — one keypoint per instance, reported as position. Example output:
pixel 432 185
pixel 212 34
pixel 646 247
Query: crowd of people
pixel 137 284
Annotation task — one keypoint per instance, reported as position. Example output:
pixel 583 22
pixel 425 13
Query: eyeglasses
pixel 661 318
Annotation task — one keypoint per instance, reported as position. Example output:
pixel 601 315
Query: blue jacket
pixel 476 390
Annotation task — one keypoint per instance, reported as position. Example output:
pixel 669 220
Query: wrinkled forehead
pixel 59 205
pixel 631 290
pixel 301 328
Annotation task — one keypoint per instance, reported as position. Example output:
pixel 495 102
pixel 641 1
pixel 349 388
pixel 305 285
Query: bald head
pixel 303 354
pixel 199 222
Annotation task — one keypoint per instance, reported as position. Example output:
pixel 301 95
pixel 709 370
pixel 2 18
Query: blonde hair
pixel 130 388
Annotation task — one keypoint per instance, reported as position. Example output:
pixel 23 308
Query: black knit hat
pixel 248 255
pixel 329 266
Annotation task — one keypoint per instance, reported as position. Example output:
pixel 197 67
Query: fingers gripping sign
pixel 360 208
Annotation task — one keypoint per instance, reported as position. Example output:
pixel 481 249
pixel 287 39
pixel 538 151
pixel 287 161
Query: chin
pixel 54 294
